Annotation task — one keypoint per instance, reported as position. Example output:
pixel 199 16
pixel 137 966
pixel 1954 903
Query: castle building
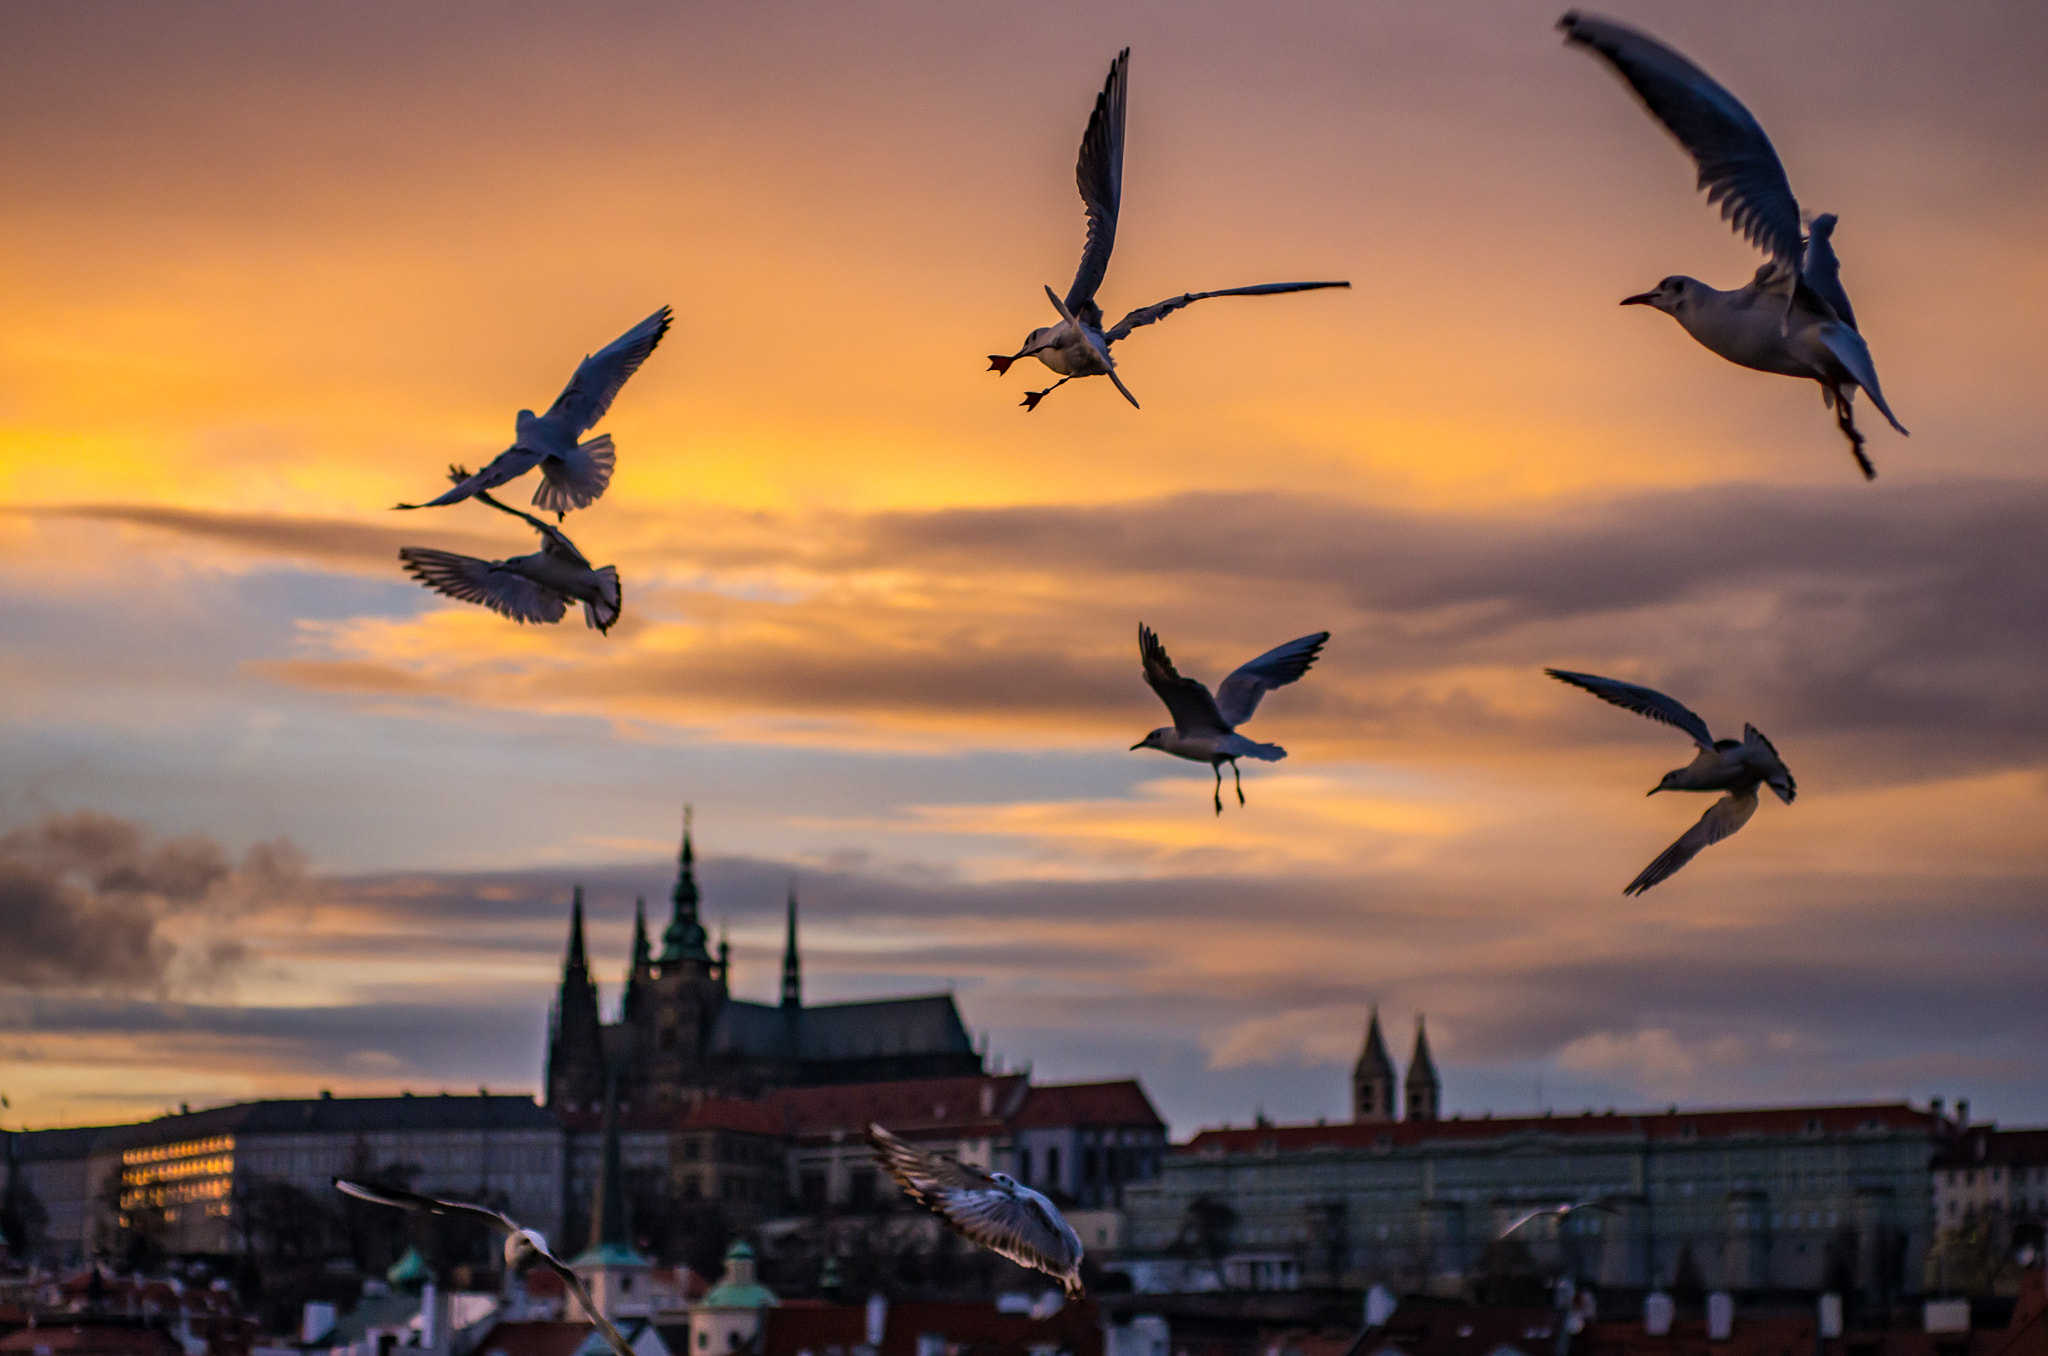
pixel 682 1037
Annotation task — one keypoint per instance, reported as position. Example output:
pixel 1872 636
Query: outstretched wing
pixel 1739 168
pixel 1644 701
pixel 1239 694
pixel 1193 709
pixel 557 541
pixel 1159 310
pixel 1822 271
pixel 1722 818
pixel 612 1336
pixel 1099 173
pixel 1016 1222
pixel 1562 1210
pixel 598 378
pixel 481 581
pixel 400 1199
pixel 507 465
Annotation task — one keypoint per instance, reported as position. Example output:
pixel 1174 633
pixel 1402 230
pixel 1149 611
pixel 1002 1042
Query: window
pixel 1052 1164
pixel 811 1188
pixel 860 1186
pixel 1024 1164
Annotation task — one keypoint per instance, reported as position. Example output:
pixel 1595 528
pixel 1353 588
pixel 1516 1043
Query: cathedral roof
pixel 909 1106
pixel 1119 1103
pixel 929 1025
pixel 1373 1059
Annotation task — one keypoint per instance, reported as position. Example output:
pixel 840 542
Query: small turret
pixel 1424 1093
pixel 1372 1078
pixel 792 964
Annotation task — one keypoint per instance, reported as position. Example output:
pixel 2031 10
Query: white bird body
pixel 1204 728
pixel 1079 345
pixel 530 588
pixel 1794 319
pixel 991 1208
pixel 1735 766
pixel 573 473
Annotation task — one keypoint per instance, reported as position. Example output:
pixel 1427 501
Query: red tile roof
pixel 533 1337
pixel 917 1107
pixel 1122 1103
pixel 1076 1328
pixel 93 1339
pixel 1657 1125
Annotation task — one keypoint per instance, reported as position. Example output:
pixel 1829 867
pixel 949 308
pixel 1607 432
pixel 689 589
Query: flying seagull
pixel 573 474
pixel 1736 766
pixel 535 588
pixel 1563 1210
pixel 523 1246
pixel 990 1208
pixel 1079 345
pixel 1793 318
pixel 1204 728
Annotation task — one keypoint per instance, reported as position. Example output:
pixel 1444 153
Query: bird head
pixel 1669 296
pixel 522 1247
pixel 1154 740
pixel 1002 1179
pixel 1669 782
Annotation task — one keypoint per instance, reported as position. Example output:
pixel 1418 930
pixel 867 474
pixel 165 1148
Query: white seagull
pixel 1204 728
pixel 523 1246
pixel 1737 766
pixel 1079 346
pixel 1793 318
pixel 535 588
pixel 990 1208
pixel 1563 1211
pixel 573 474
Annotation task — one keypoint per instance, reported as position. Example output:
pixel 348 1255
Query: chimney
pixel 878 1319
pixel 1962 1112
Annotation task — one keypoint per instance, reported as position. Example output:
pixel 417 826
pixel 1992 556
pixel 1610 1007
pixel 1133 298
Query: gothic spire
pixel 792 964
pixel 577 963
pixel 629 1005
pixel 1423 1089
pixel 611 1236
pixel 1372 1078
pixel 684 937
pixel 574 1040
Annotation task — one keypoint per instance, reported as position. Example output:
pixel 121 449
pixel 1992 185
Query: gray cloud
pixel 87 901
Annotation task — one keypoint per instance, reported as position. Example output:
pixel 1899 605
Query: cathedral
pixel 682 1037
pixel 1373 1081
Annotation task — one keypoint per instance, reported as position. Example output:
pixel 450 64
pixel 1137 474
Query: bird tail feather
pixel 575 481
pixel 602 615
pixel 1265 753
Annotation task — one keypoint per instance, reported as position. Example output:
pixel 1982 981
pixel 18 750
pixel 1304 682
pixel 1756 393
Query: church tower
pixel 1424 1092
pixel 1372 1078
pixel 633 1004
pixel 575 1074
pixel 792 965
pixel 686 988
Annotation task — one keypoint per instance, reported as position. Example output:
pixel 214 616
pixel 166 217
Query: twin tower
pixel 1373 1080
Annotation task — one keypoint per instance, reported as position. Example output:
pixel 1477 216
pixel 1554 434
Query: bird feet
pixel 1031 398
pixel 998 363
pixel 1845 419
pixel 1237 779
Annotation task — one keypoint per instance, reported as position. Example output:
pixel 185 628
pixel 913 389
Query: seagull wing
pixel 507 465
pixel 1014 1221
pixel 1239 694
pixel 1193 709
pixel 1738 167
pixel 556 541
pixel 482 581
pixel 1523 1220
pixel 1146 315
pixel 574 1282
pixel 598 378
pixel 1822 271
pixel 1644 701
pixel 1099 173
pixel 1722 818
pixel 400 1199
pixel 1777 776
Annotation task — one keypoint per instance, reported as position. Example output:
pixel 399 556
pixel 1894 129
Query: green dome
pixel 739 1289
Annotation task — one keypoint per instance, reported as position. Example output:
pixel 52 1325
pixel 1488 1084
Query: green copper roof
pixel 609 1255
pixel 409 1270
pixel 750 1296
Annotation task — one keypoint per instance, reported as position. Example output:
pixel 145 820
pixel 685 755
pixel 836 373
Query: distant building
pixel 1372 1078
pixel 1787 1198
pixel 682 1037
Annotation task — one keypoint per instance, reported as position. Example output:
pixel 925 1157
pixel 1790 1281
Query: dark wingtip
pixel 1569 22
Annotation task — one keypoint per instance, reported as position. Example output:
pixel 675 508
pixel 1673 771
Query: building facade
pixel 1797 1198
pixel 681 1037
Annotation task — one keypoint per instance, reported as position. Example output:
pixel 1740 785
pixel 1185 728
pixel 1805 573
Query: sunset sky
pixel 273 818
